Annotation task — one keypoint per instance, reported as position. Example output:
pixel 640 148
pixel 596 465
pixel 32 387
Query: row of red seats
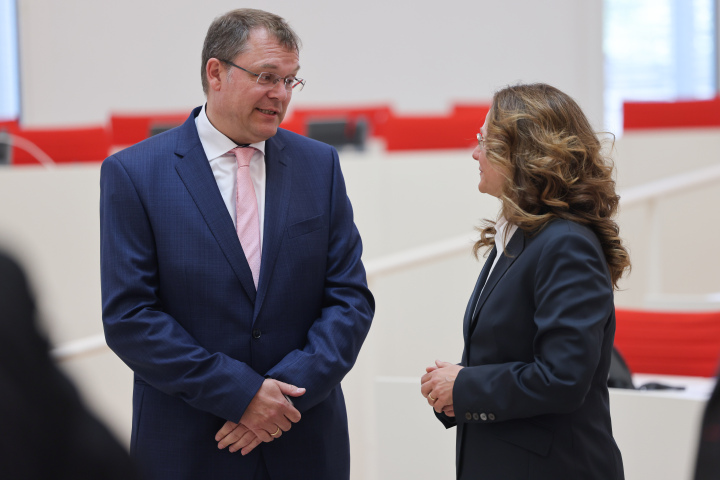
pixel 669 343
pixel 456 129
pixel 677 114
pixel 68 145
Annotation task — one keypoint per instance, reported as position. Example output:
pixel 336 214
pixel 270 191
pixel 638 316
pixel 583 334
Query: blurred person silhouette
pixel 530 397
pixel 708 457
pixel 47 432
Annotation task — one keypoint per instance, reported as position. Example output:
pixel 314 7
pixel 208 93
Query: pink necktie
pixel 246 209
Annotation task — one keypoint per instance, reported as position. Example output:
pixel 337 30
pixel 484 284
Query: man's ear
pixel 216 73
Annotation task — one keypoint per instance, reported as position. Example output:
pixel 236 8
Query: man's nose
pixel 278 90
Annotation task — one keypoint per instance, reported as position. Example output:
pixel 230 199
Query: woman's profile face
pixel 491 181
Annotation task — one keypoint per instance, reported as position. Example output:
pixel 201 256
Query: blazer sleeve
pixel 335 338
pixel 448 422
pixel 151 342
pixel 573 301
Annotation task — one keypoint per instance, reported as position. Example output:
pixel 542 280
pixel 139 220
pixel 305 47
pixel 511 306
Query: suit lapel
pixel 195 172
pixel 514 249
pixel 476 292
pixel 277 199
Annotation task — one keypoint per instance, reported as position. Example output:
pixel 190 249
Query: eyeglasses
pixel 481 140
pixel 264 78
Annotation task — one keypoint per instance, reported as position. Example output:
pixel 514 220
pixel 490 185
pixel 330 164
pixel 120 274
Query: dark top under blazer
pixel 532 400
pixel 180 307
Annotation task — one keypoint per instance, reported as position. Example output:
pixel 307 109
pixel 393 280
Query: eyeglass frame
pixel 298 81
pixel 481 140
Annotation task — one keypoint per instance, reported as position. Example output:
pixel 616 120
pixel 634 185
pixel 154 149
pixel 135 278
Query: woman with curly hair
pixel 530 397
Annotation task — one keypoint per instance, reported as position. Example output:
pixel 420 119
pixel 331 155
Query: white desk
pixel 658 430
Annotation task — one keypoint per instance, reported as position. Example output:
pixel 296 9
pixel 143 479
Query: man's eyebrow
pixel 273 66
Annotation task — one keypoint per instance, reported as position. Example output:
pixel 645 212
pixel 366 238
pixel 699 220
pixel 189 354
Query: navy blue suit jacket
pixel 180 307
pixel 532 400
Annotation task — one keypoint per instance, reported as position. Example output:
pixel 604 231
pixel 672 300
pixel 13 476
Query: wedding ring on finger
pixel 431 398
pixel 273 434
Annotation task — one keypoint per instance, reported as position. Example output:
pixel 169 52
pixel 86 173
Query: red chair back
pixel 682 114
pixel 131 129
pixel 669 343
pixel 62 145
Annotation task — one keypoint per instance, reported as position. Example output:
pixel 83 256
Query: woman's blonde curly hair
pixel 539 139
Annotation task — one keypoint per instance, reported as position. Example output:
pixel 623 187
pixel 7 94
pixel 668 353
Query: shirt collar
pixel 501 227
pixel 215 143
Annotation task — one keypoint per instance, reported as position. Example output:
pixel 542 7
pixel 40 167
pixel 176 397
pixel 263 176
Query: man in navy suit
pixel 227 355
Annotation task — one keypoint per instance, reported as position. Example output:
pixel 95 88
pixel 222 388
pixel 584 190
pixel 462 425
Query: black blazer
pixel 46 430
pixel 532 400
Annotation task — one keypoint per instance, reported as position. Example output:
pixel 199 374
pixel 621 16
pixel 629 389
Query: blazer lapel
pixel 195 172
pixel 514 249
pixel 277 200
pixel 476 292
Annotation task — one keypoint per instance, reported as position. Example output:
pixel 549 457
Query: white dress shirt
pixel 224 167
pixel 501 240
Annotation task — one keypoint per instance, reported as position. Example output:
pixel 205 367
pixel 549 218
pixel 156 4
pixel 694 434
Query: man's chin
pixel 266 132
pixel 271 132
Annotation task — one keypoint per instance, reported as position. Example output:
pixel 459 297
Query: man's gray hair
pixel 228 35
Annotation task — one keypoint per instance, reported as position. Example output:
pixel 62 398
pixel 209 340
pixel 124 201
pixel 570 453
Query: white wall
pixel 83 59
pixel 687 231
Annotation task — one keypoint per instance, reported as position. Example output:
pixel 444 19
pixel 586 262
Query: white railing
pixel 419 255
pixel 24 144
pixel 79 348
pixel 653 191
pixel 647 194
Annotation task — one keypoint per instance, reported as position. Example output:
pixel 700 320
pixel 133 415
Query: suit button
pixel 256 333
pixel 491 416
pixel 468 416
pixel 475 416
pixel 483 417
